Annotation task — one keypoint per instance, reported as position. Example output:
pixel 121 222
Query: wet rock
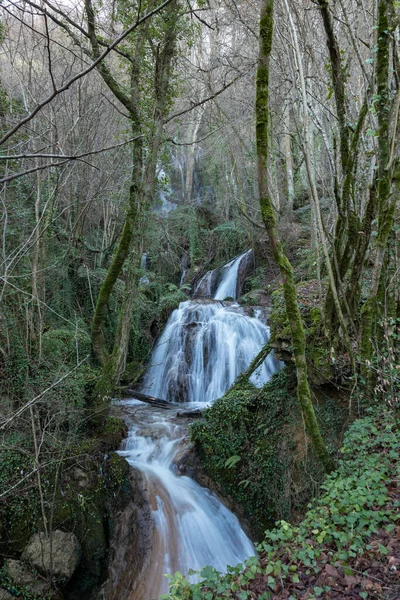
pixel 189 414
pixel 283 350
pixel 131 541
pixel 246 266
pixel 59 556
pixel 207 285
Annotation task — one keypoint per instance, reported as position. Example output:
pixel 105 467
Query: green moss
pixel 267 27
pixel 319 366
pixel 356 503
pixel 267 212
pixel 251 443
pixel 118 469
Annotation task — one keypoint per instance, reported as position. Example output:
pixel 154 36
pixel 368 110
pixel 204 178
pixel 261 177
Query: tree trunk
pixel 388 171
pixel 268 215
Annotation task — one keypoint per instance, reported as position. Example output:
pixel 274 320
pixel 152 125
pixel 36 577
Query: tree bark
pixel 268 216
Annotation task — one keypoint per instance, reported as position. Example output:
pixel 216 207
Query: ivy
pixel 354 505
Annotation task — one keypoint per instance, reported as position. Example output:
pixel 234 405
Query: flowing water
pixel 206 344
pixel 192 527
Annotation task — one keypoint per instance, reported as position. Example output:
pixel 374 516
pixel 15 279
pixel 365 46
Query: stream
pixel 205 345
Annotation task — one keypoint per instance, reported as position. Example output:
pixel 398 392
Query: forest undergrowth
pixel 347 545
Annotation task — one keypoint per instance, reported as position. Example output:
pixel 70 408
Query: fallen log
pixel 192 414
pixel 158 402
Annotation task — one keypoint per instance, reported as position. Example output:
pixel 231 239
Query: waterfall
pixel 143 265
pixel 203 349
pixel 192 527
pixel 205 345
pixel 223 282
pixel 227 287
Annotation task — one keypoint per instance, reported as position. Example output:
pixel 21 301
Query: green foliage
pixel 320 366
pixel 251 444
pixel 65 346
pixel 230 239
pixel 170 300
pixel 355 504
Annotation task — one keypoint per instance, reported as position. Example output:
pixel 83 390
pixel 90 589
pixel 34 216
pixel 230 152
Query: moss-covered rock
pixel 253 444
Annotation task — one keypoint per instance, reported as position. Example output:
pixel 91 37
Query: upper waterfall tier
pixel 203 349
pixel 227 281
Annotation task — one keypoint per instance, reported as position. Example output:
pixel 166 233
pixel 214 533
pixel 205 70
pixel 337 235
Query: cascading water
pixel 143 265
pixel 204 347
pixel 192 527
pixel 227 287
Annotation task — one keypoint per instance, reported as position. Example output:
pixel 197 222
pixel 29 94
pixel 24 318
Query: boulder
pixel 4 595
pixel 64 549
pixel 23 577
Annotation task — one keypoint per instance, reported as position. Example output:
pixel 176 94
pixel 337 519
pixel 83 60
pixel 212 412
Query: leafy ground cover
pixel 347 546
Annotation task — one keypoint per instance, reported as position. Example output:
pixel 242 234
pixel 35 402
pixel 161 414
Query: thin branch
pixel 195 105
pixel 32 402
pixel 81 74
pixel 65 160
pixel 66 156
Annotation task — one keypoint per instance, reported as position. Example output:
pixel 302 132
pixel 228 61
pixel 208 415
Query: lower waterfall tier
pixel 193 528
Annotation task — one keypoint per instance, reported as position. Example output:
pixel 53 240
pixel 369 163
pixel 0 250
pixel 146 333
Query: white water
pixel 204 347
pixel 143 265
pixel 192 527
pixel 228 284
pixel 225 278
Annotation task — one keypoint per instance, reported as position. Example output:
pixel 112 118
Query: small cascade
pixel 192 527
pixel 144 266
pixel 184 271
pixel 164 206
pixel 227 287
pixel 224 282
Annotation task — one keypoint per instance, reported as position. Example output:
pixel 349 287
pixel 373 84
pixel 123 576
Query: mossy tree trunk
pixel 129 101
pixel 313 187
pixel 268 216
pixel 388 175
pixel 347 225
pixel 148 173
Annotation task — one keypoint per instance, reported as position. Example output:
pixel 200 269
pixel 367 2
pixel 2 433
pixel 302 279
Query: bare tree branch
pixel 86 71
pixel 65 160
pixel 217 93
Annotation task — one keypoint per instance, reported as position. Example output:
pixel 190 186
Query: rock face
pixel 131 540
pixel 59 555
pixel 246 266
pixel 206 286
